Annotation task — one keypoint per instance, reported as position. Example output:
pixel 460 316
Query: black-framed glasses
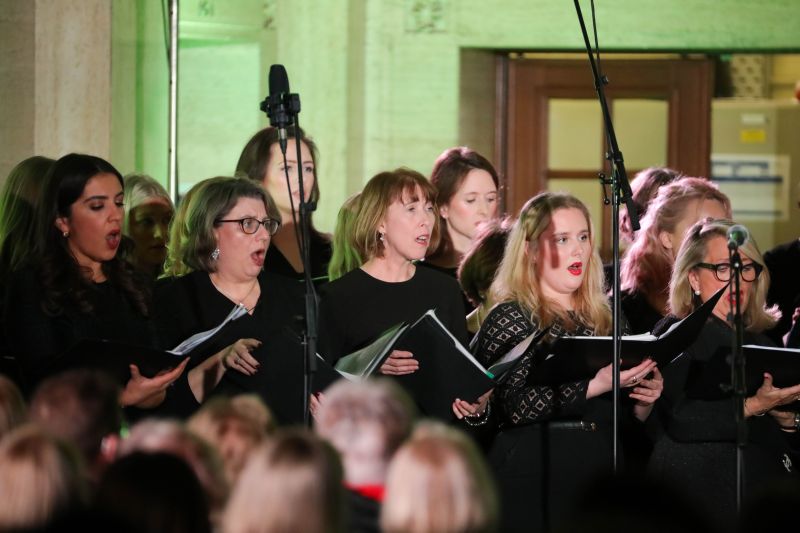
pixel 722 271
pixel 250 225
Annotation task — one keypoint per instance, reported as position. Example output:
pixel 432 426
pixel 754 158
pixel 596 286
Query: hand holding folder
pixel 446 369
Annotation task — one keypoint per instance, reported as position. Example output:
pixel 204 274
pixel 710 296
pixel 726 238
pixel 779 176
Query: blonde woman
pixel 556 438
pixel 292 483
pixel 438 482
pixel 41 480
pixel 697 449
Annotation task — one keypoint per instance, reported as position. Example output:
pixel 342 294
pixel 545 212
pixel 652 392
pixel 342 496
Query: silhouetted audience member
pixel 151 493
pixel 292 483
pixel 153 436
pixel 235 426
pixel 82 408
pixel 366 422
pixel 41 480
pixel 439 482
pixel 13 411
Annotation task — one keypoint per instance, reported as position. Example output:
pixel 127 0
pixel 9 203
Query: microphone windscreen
pixel 738 234
pixel 278 80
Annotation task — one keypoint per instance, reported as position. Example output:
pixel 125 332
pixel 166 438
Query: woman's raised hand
pixel 768 396
pixel 149 392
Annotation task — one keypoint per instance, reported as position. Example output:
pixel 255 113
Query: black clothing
pixel 697 451
pixel 453 273
pixel 640 315
pixel 191 304
pixel 356 308
pixel 36 339
pixel 320 255
pixel 365 513
pixel 541 457
pixel 784 288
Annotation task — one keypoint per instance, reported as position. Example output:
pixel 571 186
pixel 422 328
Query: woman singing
pixel 79 288
pixel 697 449
pixel 554 438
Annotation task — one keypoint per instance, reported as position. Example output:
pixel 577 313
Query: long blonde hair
pixel 517 279
pixel 682 300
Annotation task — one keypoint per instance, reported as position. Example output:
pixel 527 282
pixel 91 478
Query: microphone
pixel 737 236
pixel 277 110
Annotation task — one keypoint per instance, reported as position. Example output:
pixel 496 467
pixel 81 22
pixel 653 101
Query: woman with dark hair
pixel 224 242
pixel 261 161
pixel 78 287
pixel 697 449
pixel 467 186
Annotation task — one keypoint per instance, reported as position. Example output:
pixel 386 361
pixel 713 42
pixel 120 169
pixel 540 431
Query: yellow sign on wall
pixel 753 136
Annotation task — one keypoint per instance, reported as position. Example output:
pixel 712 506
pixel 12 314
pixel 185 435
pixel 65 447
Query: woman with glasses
pixel 697 448
pixel 228 228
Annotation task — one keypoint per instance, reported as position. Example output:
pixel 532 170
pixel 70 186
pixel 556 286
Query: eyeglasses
pixel 722 271
pixel 250 225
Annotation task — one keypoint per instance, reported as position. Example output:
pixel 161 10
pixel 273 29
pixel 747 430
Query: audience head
pixel 148 213
pixel 479 265
pixel 19 199
pixel 345 255
pixel 695 280
pixel 291 483
pixel 366 422
pixel 151 436
pixel 551 265
pixel 234 426
pixel 396 216
pixel 13 412
pixel 648 261
pixel 439 482
pixel 148 492
pixel 40 479
pixel 644 187
pixel 224 230
pixel 467 185
pixel 82 408
pixel 262 161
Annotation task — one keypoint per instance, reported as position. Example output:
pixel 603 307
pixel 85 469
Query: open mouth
pixel 576 268
pixel 423 240
pixel 112 239
pixel 258 257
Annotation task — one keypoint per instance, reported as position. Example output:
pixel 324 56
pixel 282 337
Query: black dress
pixel 696 451
pixel 36 339
pixel 453 273
pixel 191 304
pixel 640 316
pixel 356 308
pixel 320 255
pixel 547 450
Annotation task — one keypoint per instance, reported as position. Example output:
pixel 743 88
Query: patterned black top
pixel 506 326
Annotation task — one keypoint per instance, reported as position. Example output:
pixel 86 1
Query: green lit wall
pixel 381 81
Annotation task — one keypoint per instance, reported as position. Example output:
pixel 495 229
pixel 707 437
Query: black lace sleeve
pixel 505 327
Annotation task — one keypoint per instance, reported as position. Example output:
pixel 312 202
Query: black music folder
pixel 578 358
pixel 446 368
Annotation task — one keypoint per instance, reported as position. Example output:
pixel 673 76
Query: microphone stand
pixel 620 191
pixel 737 373
pixel 289 108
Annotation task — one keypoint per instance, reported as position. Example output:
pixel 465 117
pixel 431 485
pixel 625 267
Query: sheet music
pixel 199 338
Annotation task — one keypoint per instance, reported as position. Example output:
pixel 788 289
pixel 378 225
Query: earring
pixel 65 234
pixel 215 254
pixel 697 292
